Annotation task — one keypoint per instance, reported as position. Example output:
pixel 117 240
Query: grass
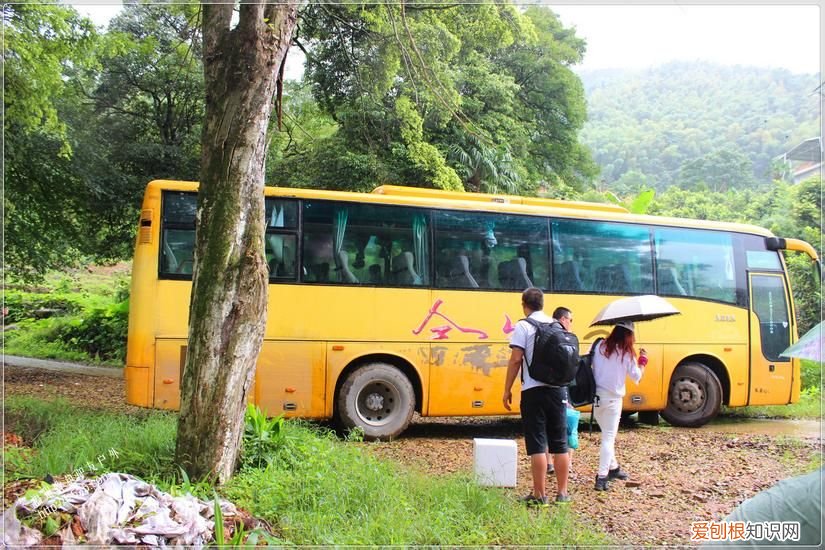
pixel 66 438
pixel 810 405
pixel 318 491
pixel 87 316
pixel 321 491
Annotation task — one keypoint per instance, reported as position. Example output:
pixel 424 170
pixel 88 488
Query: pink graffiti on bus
pixel 440 332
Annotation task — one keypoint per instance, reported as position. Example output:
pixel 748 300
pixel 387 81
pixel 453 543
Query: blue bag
pixel 573 428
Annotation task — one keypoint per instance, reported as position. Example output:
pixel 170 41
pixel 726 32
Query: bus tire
pixel 694 396
pixel 379 399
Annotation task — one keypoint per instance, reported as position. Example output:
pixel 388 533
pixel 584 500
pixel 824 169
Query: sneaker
pixel 601 483
pixel 562 499
pixel 617 473
pixel 551 469
pixel 535 502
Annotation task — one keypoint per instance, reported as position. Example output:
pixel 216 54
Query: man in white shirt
pixel 543 407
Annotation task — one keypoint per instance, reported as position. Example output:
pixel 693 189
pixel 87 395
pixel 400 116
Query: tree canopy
pixel 477 97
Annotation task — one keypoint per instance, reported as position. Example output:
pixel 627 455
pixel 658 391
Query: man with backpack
pixel 565 318
pixel 543 403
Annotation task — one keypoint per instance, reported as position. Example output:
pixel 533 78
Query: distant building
pixel 803 161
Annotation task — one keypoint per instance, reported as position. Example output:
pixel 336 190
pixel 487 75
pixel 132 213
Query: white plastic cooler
pixel 495 462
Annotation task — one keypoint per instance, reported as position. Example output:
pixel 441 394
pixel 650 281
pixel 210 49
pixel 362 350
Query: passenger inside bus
pixel 512 274
pixel 403 272
pixel 342 267
pixel 567 276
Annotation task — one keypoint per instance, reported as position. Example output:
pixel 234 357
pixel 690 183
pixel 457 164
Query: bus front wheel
pixel 694 396
pixel 379 399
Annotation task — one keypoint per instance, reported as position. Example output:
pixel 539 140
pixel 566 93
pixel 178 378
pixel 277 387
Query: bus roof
pixel 398 190
pixel 432 198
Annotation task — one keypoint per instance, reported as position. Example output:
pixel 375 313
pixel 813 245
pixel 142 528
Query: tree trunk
pixel 227 313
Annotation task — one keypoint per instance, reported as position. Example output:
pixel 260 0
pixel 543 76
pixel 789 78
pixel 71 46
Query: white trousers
pixel 607 415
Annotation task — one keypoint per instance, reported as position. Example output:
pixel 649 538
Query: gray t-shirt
pixel 796 499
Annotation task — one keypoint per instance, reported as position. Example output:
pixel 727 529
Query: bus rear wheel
pixel 377 398
pixel 694 397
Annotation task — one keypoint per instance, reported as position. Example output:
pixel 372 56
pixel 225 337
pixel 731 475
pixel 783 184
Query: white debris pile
pixel 114 509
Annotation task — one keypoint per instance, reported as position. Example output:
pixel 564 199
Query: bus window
pixel 695 263
pixel 491 251
pixel 281 241
pixel 607 258
pixel 770 306
pixel 350 243
pixel 178 236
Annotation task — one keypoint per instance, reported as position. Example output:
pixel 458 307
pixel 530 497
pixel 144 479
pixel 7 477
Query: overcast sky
pixel 638 36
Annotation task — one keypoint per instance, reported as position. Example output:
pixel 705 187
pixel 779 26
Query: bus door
pixel 771 378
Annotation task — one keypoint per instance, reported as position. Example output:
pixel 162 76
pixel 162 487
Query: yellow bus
pixel 402 300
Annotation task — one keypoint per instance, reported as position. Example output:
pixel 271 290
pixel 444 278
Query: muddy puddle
pixel 766 426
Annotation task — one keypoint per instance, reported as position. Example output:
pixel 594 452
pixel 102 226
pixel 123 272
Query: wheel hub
pixel 688 395
pixel 374 402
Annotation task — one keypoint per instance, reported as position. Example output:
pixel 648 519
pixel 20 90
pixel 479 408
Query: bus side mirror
pixel 775 243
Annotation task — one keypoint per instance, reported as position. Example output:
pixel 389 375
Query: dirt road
pixel 677 476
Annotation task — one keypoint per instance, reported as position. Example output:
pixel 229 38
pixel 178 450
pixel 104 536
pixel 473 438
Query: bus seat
pixel 186 267
pixel 171 261
pixel 512 274
pixel 567 277
pixel 603 281
pixel 620 279
pixel 402 270
pixel 319 272
pixel 376 278
pixel 669 282
pixel 346 275
pixel 460 273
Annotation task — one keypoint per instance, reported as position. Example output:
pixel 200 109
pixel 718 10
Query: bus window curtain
pixel 422 248
pixel 340 227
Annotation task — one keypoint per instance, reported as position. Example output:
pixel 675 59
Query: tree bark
pixel 227 313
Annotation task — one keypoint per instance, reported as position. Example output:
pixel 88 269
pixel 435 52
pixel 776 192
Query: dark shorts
pixel 544 415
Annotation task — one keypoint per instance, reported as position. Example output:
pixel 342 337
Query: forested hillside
pixel 684 123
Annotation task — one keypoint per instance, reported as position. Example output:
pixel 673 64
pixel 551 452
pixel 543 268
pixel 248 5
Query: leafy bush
pixel 101 333
pixel 88 321
pixel 811 374
pixel 261 438
pixel 27 305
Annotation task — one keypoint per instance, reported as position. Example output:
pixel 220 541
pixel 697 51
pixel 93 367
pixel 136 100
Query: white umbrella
pixel 634 308
pixel 809 346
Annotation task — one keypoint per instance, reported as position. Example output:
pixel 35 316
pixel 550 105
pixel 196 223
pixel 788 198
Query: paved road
pixel 62 366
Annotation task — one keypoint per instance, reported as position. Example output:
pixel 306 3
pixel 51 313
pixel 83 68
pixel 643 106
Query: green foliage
pixel 89 120
pixel 403 84
pixel 719 171
pixel 41 42
pixel 319 491
pixel 261 438
pixel 100 333
pixel 89 318
pixel 685 118
pixel 811 374
pixel 67 437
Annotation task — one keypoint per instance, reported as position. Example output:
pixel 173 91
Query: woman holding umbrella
pixel 615 358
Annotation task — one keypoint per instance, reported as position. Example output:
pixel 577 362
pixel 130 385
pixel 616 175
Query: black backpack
pixel 555 354
pixel 582 390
